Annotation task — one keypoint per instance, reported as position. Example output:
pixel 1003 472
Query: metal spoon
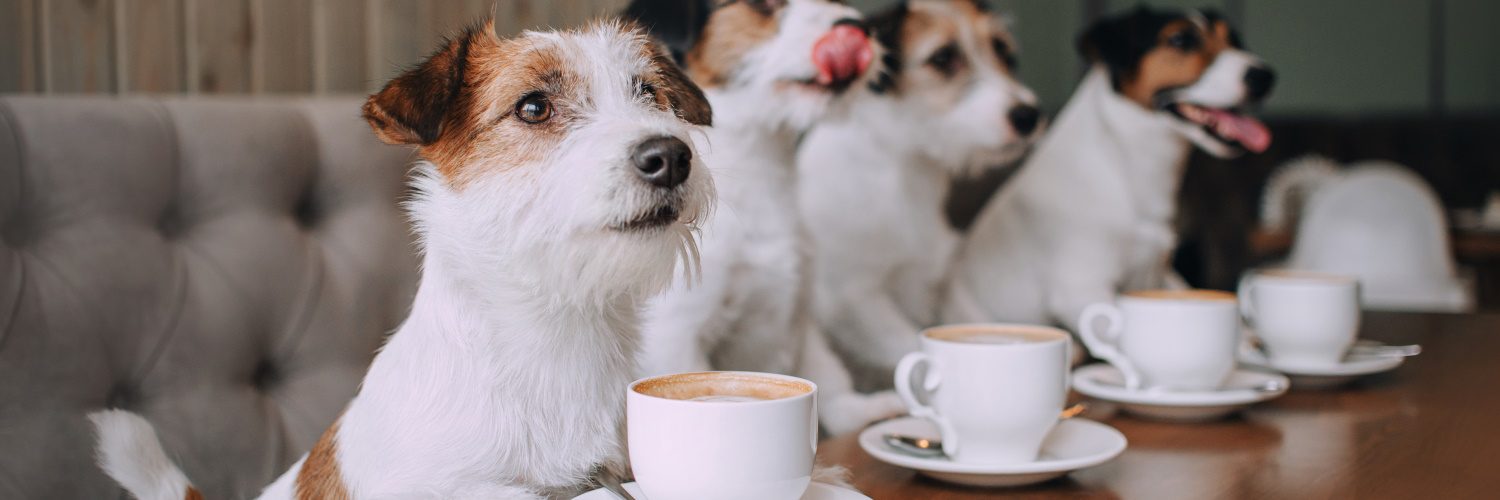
pixel 932 448
pixel 1267 387
pixel 1378 349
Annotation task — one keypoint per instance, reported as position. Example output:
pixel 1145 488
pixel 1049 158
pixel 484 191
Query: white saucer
pixel 1074 444
pixel 1105 382
pixel 1306 376
pixel 816 491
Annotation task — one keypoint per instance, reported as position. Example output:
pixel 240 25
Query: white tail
pixel 1290 186
pixel 129 451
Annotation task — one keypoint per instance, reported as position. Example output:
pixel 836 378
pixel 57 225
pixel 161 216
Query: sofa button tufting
pixel 122 396
pixel 169 224
pixel 306 211
pixel 266 375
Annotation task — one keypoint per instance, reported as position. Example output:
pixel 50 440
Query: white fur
pixel 1090 213
pixel 873 192
pixel 131 454
pixel 751 311
pixel 507 380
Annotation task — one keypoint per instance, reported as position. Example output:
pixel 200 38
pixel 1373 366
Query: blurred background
pixel 1411 81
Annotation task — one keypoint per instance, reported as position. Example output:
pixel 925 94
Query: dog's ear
pixel 887 26
pixel 411 108
pixel 687 100
pixel 1119 42
pixel 1217 20
pixel 677 23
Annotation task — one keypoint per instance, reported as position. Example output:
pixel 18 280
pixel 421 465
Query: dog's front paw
pixel 852 412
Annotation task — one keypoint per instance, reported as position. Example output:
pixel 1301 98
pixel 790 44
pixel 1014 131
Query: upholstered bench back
pixel 226 268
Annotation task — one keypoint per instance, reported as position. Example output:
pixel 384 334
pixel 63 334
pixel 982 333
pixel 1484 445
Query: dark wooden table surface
pixel 1429 429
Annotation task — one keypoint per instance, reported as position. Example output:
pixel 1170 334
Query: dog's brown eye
pixel 1184 40
pixel 647 90
pixel 534 108
pixel 945 60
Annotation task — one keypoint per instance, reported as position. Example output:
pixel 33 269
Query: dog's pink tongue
pixel 842 55
pixel 1250 132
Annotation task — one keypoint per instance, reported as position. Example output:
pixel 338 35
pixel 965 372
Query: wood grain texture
pixel 78 43
pixel 282 53
pixel 1425 430
pixel 220 37
pixel 151 46
pixel 19 68
pixel 401 36
pixel 340 46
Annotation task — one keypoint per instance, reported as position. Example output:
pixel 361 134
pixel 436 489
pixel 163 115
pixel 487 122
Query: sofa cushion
pixel 225 268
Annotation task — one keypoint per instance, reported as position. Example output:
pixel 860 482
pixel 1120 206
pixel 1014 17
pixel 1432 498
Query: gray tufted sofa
pixel 226 268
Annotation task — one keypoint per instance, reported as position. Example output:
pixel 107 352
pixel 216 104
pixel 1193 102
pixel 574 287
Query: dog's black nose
pixel 1258 83
pixel 1024 118
pixel 663 161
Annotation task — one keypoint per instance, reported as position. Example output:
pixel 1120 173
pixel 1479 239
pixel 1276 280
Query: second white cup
pixel 1169 339
pixel 1302 318
pixel 996 390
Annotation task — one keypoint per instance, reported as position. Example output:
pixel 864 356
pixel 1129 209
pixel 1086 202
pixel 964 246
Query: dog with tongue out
pixel 771 70
pixel 1090 212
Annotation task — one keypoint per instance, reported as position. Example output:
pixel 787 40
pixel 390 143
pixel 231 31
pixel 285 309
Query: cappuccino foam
pixel 721 387
pixel 998 335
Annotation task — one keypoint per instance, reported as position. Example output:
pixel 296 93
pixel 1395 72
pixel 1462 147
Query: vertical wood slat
pixel 220 39
pixel 282 46
pixel 400 37
pixel 340 46
pixel 19 66
pixel 151 53
pixel 79 45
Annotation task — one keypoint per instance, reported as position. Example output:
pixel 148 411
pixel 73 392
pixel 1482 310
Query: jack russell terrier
pixel 875 183
pixel 772 69
pixel 559 189
pixel 1090 213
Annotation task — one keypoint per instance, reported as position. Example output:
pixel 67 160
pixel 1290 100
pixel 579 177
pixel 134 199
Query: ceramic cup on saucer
pixel 995 390
pixel 728 435
pixel 1302 318
pixel 1166 339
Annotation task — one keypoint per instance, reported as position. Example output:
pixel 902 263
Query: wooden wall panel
pixel 19 65
pixel 220 37
pixel 77 40
pixel 400 35
pixel 151 50
pixel 282 49
pixel 340 46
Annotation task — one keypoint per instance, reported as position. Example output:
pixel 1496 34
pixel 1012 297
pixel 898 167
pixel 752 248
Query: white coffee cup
pixel 1302 318
pixel 1168 339
pixel 723 435
pixel 995 390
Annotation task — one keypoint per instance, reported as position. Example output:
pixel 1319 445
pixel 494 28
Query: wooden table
pixel 1430 429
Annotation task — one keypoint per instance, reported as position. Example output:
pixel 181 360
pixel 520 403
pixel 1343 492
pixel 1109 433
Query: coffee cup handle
pixel 1247 310
pixel 930 382
pixel 1103 345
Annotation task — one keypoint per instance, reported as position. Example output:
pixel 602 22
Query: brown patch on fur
pixel 732 31
pixel 320 477
pixel 458 106
pixel 193 494
pixel 1166 67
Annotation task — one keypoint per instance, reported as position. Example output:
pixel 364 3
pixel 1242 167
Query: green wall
pixel 1335 57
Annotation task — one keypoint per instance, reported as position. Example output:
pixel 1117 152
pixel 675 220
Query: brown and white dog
pixel 1090 213
pixel 875 183
pixel 558 189
pixel 772 69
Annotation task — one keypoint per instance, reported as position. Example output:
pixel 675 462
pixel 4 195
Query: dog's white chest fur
pixel 1089 213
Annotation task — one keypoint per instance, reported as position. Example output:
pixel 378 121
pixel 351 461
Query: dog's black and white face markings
pixel 950 66
pixel 1191 65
